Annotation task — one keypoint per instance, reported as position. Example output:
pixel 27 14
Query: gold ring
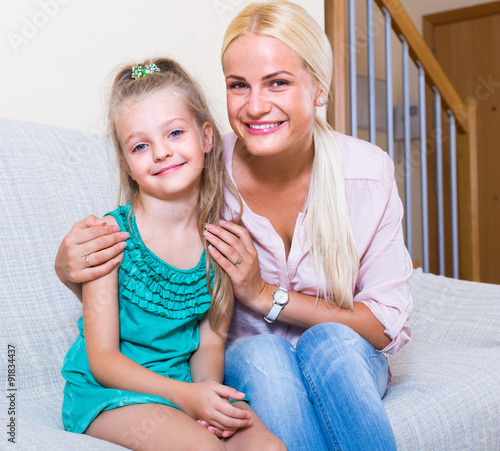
pixel 237 262
pixel 87 264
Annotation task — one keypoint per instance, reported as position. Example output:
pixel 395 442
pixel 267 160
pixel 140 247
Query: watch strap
pixel 278 304
pixel 273 314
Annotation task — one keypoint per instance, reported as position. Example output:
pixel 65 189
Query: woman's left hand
pixel 233 249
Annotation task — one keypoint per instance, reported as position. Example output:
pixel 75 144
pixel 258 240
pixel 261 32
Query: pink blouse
pixel 385 265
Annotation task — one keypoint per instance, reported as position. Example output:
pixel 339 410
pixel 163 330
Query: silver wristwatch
pixel 280 299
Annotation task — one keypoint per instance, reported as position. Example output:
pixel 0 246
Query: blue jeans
pixel 324 394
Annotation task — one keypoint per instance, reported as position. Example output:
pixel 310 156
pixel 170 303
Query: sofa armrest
pixel 456 312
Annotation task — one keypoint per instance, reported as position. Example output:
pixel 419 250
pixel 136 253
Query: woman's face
pixel 271 97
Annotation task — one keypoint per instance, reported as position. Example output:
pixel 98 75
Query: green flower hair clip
pixel 139 72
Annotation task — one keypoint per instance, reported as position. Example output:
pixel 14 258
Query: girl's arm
pixel 207 365
pixel 207 362
pixel 102 242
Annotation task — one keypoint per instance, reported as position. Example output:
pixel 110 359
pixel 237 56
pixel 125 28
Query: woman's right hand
pixel 88 252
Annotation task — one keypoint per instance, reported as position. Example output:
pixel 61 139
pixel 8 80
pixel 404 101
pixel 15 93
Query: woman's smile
pixel 264 128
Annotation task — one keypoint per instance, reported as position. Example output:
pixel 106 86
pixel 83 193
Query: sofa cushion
pixel 446 388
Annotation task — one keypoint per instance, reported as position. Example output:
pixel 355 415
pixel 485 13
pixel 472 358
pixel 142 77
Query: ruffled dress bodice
pixel 160 308
pixel 155 286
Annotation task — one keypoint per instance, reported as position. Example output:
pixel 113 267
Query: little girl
pixel 146 370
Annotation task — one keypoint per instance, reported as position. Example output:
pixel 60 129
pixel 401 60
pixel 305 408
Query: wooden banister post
pixel 335 29
pixel 468 195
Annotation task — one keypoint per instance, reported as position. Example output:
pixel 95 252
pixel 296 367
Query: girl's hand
pixel 208 402
pixel 89 251
pixel 235 252
pixel 216 431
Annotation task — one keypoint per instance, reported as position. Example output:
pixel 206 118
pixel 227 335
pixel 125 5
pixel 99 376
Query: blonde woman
pixel 317 262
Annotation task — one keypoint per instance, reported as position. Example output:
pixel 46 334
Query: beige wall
pixel 57 54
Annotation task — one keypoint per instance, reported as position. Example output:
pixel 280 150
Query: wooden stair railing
pixel 336 27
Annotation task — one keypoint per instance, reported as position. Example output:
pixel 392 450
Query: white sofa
pixel 446 389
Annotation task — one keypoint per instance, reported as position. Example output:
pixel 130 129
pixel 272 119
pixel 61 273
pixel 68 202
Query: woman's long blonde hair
pixel 328 222
pixel 214 178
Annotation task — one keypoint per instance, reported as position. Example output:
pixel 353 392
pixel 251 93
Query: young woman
pixel 321 279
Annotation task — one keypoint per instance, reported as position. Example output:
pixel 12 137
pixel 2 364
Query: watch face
pixel 280 297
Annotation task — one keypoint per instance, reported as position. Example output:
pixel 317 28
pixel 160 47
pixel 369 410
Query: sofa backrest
pixel 49 178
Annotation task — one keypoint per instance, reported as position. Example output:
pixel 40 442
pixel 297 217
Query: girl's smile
pixel 168 169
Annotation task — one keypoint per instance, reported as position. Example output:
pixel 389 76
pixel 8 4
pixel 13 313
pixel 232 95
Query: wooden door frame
pixel 456 15
pixel 466 148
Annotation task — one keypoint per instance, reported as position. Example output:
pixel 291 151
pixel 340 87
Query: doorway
pixel 466 42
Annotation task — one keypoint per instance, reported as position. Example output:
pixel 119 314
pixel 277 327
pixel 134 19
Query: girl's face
pixel 163 149
pixel 271 97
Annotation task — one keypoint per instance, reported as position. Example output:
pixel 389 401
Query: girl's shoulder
pixel 110 219
pixel 120 217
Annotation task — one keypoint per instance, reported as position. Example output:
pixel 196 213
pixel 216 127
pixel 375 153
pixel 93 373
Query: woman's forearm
pixel 306 311
pixel 76 288
pixel 59 266
pixel 231 240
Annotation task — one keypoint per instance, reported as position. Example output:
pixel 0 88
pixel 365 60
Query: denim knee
pixel 253 347
pixel 331 333
pixel 334 339
pixel 261 358
pixel 334 344
pixel 265 368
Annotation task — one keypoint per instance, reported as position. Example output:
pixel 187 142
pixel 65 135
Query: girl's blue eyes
pixel 174 134
pixel 139 147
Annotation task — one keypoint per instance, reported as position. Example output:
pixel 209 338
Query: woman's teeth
pixel 263 126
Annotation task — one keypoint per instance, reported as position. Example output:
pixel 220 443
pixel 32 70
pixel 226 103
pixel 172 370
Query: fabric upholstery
pixel 446 388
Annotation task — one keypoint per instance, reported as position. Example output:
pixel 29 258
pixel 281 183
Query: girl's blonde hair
pixel 214 178
pixel 328 223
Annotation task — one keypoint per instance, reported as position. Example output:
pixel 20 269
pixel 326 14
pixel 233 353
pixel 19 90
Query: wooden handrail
pixel 419 51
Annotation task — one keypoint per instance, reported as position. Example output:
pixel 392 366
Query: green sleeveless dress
pixel 160 309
